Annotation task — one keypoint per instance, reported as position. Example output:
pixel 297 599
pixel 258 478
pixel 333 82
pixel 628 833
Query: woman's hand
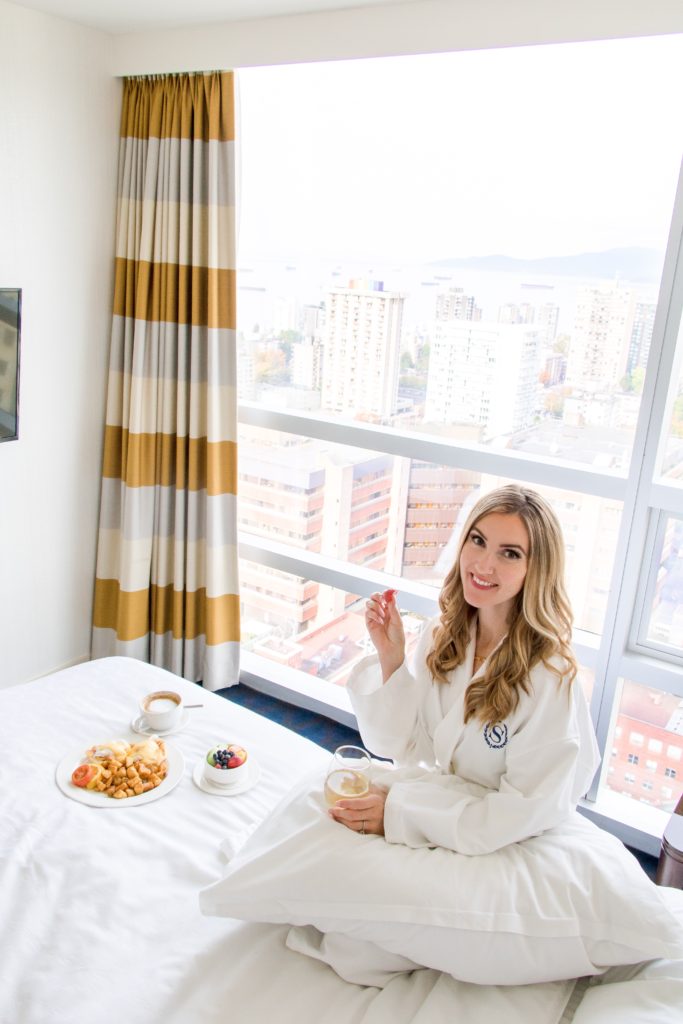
pixel 385 628
pixel 364 814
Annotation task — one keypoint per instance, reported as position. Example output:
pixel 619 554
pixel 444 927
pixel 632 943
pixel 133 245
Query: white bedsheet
pixel 99 916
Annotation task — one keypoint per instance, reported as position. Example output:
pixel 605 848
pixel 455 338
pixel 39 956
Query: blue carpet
pixel 318 728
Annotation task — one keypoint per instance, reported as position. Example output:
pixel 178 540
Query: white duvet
pixel 99 912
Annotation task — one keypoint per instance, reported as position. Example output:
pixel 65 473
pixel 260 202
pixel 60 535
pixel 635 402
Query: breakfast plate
pixel 92 798
pixel 245 783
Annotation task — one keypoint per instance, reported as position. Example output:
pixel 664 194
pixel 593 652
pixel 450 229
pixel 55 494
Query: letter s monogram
pixel 496 735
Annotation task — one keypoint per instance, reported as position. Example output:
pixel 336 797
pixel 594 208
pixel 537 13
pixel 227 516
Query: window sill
pixel 294 687
pixel 637 824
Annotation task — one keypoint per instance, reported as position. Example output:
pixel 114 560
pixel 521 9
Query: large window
pixel 459 270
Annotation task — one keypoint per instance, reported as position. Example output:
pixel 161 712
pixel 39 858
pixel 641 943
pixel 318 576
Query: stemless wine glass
pixel 348 774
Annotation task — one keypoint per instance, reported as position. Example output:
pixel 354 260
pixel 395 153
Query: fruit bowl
pixel 226 764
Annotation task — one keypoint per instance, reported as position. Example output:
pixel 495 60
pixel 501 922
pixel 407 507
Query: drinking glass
pixel 348 774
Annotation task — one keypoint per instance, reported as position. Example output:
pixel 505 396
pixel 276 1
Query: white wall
pixel 423 26
pixel 59 111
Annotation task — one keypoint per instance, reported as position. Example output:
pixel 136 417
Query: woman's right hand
pixel 385 628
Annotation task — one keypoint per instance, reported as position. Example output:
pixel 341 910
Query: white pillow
pixel 651 992
pixel 570 902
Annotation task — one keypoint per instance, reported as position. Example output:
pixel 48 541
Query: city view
pixel 500 373
pixel 539 355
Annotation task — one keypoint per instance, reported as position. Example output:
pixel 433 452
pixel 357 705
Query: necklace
pixel 479 659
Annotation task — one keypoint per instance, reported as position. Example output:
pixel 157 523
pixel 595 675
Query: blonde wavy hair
pixel 540 623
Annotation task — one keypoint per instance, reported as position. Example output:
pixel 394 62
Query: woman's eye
pixel 511 553
pixel 476 539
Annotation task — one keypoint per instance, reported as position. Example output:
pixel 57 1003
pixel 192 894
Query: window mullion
pixel 627 588
pixel 477 458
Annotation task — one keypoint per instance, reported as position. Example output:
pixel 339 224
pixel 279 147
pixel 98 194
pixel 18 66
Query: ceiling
pixel 119 16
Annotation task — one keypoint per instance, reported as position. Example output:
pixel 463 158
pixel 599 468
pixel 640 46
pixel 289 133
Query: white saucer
pixel 139 725
pixel 248 780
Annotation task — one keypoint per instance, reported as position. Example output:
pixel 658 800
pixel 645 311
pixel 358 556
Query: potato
pixel 134 770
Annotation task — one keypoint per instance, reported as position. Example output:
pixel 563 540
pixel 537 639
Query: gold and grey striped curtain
pixel 166 589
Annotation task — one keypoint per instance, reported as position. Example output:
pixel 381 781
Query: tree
pixel 270 367
pixel 638 379
pixel 423 358
pixel 553 403
pixel 633 382
pixel 677 418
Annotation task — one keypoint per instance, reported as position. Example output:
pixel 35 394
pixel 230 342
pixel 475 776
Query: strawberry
pixel 389 595
pixel 235 762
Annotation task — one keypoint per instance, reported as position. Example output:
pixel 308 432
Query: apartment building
pixel 362 341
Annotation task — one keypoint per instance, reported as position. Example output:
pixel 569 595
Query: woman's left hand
pixel 364 814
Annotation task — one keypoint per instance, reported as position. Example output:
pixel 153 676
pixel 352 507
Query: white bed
pixel 99 913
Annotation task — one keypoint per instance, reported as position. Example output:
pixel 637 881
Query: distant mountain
pixel 631 264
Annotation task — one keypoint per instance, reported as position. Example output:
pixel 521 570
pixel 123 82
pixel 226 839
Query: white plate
pixel 90 797
pixel 141 726
pixel 248 780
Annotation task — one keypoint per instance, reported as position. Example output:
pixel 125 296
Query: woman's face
pixel 494 561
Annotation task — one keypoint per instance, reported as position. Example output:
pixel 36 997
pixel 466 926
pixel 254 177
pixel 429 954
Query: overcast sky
pixel 532 151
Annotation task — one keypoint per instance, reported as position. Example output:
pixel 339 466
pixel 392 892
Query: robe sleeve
pixel 390 715
pixel 550 761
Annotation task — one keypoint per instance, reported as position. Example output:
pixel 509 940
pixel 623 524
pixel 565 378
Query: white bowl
pixel 226 776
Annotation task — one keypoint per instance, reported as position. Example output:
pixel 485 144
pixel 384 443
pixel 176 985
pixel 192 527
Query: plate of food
pixel 120 773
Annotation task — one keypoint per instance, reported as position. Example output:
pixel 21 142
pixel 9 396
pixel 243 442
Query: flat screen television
pixel 10 337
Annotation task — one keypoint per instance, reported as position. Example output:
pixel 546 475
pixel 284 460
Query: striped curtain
pixel 166 589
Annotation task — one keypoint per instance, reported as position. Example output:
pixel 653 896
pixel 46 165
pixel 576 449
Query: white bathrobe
pixel 473 787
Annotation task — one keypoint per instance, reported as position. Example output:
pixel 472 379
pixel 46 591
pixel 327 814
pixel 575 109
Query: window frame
pixel 639 640
pixel 619 651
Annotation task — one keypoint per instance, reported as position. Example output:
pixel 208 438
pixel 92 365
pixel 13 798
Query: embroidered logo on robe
pixel 496 735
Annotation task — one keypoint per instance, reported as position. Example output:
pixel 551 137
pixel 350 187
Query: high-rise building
pixel 453 304
pixel 281 497
pixel 361 517
pixel 547 319
pixel 362 342
pixel 338 501
pixel 511 313
pixel 483 373
pixel 554 369
pixel 600 339
pixel 435 497
pixel 246 370
pixel 647 746
pixel 641 335
pixel 307 364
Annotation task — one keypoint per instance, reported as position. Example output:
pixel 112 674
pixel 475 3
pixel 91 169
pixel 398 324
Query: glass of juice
pixel 348 775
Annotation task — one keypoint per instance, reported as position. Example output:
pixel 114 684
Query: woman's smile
pixel 482 584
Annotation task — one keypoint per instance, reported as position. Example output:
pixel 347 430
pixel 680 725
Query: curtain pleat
pixel 166 588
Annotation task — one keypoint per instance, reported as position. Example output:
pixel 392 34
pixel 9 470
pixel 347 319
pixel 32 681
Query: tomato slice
pixel 84 775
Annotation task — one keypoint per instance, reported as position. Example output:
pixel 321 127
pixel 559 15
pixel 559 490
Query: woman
pixel 491 731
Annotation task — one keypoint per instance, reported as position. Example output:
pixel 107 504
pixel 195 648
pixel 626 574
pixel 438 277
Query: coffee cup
pixel 161 709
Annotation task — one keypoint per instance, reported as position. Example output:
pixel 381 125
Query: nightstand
pixel 670 866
